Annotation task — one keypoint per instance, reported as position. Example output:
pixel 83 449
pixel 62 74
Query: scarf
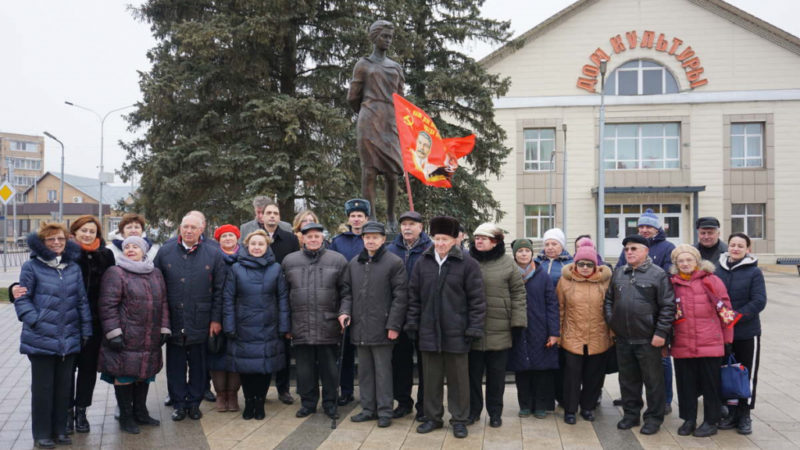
pixel 91 247
pixel 129 265
pixel 233 252
pixel 685 276
pixel 55 263
pixel 526 272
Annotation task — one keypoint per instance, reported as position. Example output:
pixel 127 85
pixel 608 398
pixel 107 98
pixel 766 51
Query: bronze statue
pixel 375 79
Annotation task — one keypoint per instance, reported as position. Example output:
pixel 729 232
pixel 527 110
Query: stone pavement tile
pixel 792 436
pixel 25 442
pixel 9 435
pixel 509 435
pixel 342 438
pixel 416 441
pixel 236 429
pixel 732 439
pixel 7 443
pixel 221 444
pixel 781 426
pixel 14 425
pixel 388 438
pixel 662 439
pixel 267 436
pixel 540 433
pixel 580 435
pixel 474 439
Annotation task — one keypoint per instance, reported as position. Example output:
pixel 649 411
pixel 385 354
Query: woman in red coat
pixel 700 335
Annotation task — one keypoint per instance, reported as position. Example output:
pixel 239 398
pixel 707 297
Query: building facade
pixel 21 159
pixel 701 104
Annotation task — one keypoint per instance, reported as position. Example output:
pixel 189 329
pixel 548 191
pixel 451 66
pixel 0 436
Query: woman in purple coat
pixel 135 318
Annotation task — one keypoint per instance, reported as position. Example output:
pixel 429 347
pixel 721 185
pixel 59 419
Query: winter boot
pixel 731 421
pixel 745 425
pixel 234 383
pixel 81 424
pixel 70 421
pixel 259 413
pixel 249 408
pixel 218 378
pixel 140 414
pixel 124 395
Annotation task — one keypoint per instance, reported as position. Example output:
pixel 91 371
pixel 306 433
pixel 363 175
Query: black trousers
pixel 695 377
pixel 348 366
pixel 583 380
pixel 50 379
pixel 183 393
pixel 535 389
pixel 641 364
pixel 403 373
pixel 282 376
pixel 316 363
pixel 493 363
pixel 255 385
pixel 82 387
pixel 748 352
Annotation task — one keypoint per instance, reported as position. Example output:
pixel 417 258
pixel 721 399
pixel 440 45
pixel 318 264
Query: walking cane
pixel 339 377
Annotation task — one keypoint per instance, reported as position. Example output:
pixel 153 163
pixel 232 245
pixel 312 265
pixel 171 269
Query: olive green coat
pixel 505 301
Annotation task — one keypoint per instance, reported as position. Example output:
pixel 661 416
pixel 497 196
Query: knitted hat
pixel 444 225
pixel 137 241
pixel 557 235
pixel 489 230
pixel 685 248
pixel 649 218
pixel 227 228
pixel 586 251
pixel 521 243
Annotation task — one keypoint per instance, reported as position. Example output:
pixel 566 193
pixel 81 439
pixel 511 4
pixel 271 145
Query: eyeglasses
pixel 586 264
pixel 55 239
pixel 631 249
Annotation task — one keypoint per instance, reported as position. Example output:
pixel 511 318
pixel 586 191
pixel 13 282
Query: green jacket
pixel 505 298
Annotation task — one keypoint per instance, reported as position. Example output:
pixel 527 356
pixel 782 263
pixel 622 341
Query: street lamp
pixel 102 120
pixel 61 196
pixel 601 173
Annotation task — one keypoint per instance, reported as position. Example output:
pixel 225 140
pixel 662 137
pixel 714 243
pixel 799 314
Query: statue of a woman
pixel 375 79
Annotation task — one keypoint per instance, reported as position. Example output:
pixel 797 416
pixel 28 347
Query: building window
pixel 26 163
pixel 642 146
pixel 23 146
pixel 538 219
pixel 640 77
pixel 52 195
pixel 748 218
pixel 539 145
pixel 747 145
pixel 24 181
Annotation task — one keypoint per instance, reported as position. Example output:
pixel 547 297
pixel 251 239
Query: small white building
pixel 702 118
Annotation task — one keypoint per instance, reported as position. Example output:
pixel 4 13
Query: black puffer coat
pixel 375 296
pixel 316 286
pixel 446 307
pixel 93 265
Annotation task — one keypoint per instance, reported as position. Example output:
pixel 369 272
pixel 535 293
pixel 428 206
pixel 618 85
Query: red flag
pixel 426 155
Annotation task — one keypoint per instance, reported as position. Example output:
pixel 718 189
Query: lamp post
pixel 102 120
pixel 61 196
pixel 601 173
pixel 564 184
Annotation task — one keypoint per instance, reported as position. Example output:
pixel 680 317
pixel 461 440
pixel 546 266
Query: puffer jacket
pixel 348 244
pixel 219 361
pixel 133 305
pixel 194 281
pixel 660 252
pixel 54 312
pixel 553 266
pixel 505 298
pixel 256 311
pixel 93 265
pixel 639 303
pixel 702 334
pixel 447 305
pixel 316 286
pixel 580 305
pixel 747 291
pixel 528 351
pixel 375 297
pixel 409 255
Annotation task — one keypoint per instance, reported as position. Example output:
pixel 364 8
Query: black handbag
pixel 216 343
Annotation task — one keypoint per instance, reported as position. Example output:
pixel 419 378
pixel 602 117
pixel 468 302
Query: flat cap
pixel 636 239
pixel 411 215
pixel 373 227
pixel 312 226
pixel 706 222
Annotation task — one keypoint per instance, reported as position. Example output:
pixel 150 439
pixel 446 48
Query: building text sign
pixel 690 62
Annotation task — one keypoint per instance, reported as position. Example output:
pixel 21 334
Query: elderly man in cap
pixel 639 307
pixel 408 245
pixel 376 300
pixel 708 242
pixel 447 308
pixel 660 249
pixel 315 277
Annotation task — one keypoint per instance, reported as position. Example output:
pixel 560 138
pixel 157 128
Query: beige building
pixel 702 111
pixel 24 155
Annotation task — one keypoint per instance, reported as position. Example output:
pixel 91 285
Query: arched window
pixel 640 77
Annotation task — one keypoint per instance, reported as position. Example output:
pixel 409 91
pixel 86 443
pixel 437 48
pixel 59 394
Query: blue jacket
pixel 660 252
pixel 748 293
pixel 256 309
pixel 553 267
pixel 55 312
pixel 528 352
pixel 348 244
pixel 409 256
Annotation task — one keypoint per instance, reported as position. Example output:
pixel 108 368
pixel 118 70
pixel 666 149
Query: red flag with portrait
pixel 426 155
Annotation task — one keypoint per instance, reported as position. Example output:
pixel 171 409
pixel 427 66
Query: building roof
pixel 112 194
pixel 719 7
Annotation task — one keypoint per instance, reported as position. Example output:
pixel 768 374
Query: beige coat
pixel 580 305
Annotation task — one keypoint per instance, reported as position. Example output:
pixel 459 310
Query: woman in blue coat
pixel 738 270
pixel 56 322
pixel 534 353
pixel 255 318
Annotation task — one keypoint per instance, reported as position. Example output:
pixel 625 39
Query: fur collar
pixel 72 251
pixel 490 255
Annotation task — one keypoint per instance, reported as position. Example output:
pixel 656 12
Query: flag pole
pixel 408 191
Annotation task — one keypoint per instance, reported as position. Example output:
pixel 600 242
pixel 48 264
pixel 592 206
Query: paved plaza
pixel 776 419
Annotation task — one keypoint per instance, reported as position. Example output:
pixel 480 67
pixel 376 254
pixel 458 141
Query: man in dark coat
pixel 639 307
pixel 408 245
pixel 375 297
pixel 447 308
pixel 315 278
pixel 349 245
pixel 708 242
pixel 194 272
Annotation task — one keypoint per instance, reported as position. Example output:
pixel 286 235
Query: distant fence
pixel 12 255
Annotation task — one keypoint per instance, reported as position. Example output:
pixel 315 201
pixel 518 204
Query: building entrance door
pixel 622 220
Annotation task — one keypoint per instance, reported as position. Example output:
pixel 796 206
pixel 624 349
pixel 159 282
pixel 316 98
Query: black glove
pixel 516 332
pixel 84 341
pixel 164 337
pixel 728 350
pixel 116 343
pixel 231 335
pixel 412 334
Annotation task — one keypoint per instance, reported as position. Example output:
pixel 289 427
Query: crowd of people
pixel 236 308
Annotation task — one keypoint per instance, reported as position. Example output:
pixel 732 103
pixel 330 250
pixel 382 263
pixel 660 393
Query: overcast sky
pixel 89 52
